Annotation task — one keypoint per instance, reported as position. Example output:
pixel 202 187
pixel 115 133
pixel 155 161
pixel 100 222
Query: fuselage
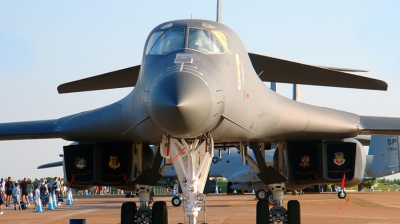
pixel 196 78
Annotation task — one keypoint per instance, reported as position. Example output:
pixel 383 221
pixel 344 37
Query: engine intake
pixel 311 163
pixel 109 165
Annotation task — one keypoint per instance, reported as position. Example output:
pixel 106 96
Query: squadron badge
pixel 305 161
pixel 80 163
pixel 114 162
pixel 339 158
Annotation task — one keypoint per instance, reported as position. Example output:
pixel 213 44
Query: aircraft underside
pixel 136 167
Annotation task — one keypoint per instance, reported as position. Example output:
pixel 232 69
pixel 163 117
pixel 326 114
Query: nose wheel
pixel 176 201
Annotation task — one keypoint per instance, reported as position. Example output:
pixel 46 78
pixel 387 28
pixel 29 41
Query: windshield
pixel 170 40
pixel 202 40
pixel 154 37
pixel 223 39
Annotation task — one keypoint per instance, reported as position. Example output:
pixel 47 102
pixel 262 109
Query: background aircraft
pixel 289 202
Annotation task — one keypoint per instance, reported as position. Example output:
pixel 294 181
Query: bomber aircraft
pixel 198 89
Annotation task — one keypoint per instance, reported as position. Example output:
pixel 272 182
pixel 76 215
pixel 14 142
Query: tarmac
pixel 368 207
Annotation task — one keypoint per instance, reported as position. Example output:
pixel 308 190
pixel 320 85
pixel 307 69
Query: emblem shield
pixel 305 161
pixel 339 158
pixel 80 163
pixel 114 162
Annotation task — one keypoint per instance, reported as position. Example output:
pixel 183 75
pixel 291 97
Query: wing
pixel 379 125
pixel 28 130
pixel 278 70
pixel 51 165
pixel 117 79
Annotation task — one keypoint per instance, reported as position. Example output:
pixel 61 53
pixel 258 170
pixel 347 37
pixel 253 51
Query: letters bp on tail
pixel 198 89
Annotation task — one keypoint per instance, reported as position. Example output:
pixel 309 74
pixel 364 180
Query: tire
pixel 270 198
pixel 262 212
pixel 340 196
pixel 176 202
pixel 128 211
pixel 293 212
pixel 159 212
pixel 261 195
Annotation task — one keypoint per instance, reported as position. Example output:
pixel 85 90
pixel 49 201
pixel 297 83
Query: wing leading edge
pixel 117 79
pixel 51 165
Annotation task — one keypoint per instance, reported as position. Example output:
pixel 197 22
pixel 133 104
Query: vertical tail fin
pixel 219 11
pixel 383 156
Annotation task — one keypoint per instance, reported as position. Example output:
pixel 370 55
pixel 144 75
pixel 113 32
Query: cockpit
pixel 169 39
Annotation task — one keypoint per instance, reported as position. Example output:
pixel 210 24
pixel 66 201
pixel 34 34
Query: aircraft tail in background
pixel 383 156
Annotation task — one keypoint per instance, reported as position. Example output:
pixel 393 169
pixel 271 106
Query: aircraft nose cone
pixel 180 104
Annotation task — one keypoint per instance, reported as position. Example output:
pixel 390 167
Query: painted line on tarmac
pixel 366 203
pixel 350 216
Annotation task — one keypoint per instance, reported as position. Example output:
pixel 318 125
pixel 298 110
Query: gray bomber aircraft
pixel 196 90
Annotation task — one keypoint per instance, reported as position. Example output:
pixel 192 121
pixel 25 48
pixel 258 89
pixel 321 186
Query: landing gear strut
pixel 192 160
pixel 274 178
pixel 148 177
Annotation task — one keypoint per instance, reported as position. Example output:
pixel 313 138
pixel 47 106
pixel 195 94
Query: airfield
pixel 368 207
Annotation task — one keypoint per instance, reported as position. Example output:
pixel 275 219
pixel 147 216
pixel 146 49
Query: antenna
pixel 219 9
pixel 296 92
pixel 273 86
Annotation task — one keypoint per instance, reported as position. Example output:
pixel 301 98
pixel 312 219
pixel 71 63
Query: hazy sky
pixel 46 43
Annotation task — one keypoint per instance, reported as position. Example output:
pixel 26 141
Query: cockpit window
pixel 223 39
pixel 202 40
pixel 154 37
pixel 170 40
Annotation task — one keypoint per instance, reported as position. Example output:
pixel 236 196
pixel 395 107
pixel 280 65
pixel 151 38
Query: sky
pixel 46 43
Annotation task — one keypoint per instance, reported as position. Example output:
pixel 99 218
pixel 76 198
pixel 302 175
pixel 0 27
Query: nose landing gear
pixel 192 160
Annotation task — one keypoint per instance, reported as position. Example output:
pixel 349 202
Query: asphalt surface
pixel 369 207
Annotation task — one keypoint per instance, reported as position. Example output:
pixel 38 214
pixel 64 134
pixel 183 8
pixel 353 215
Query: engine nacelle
pixel 312 163
pixel 103 165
